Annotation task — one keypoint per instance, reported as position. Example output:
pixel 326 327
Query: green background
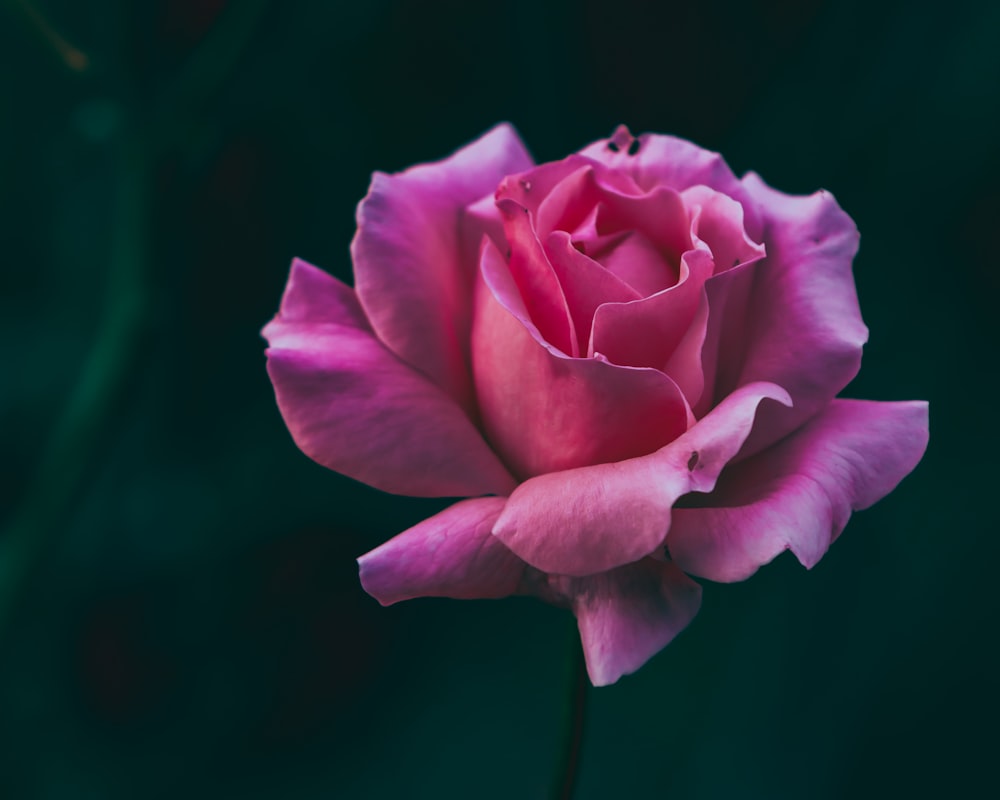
pixel 179 608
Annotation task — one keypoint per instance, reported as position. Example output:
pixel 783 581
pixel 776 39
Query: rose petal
pixel 412 278
pixel 799 494
pixel 536 280
pixel 801 326
pixel 543 411
pixel 452 554
pixel 591 519
pixel 717 221
pixel 560 193
pixel 627 615
pixel 660 215
pixel 570 200
pixel 655 160
pixel 354 407
pixel 585 284
pixel 646 332
pixel 635 260
pixel 684 364
pixel 727 330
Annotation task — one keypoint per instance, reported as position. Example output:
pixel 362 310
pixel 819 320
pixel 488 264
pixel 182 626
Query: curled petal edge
pixel 592 519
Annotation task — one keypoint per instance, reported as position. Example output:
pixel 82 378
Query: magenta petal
pixel 570 200
pixel 728 325
pixel 412 277
pixel 655 160
pixel 536 280
pixel 635 260
pixel 684 364
pixel 646 332
pixel 592 519
pixel 560 194
pixel 452 554
pixel 659 215
pixel 627 615
pixel 585 284
pixel 799 494
pixel 803 325
pixel 354 407
pixel 544 411
pixel 717 221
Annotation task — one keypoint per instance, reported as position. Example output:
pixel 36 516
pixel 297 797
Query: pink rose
pixel 628 359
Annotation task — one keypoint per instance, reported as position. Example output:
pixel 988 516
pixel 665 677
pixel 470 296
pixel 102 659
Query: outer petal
pixel 591 519
pixel 541 409
pixel 354 407
pixel 799 494
pixel 802 325
pixel 412 276
pixel 626 615
pixel 452 554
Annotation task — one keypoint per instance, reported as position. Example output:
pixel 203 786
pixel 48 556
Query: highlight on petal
pixel 591 519
pixel 452 554
pixel 413 265
pixel 799 494
pixel 801 324
pixel 354 407
pixel 627 615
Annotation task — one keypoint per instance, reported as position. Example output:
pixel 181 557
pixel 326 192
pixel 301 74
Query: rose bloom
pixel 628 360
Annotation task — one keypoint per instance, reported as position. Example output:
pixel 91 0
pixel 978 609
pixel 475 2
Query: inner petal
pixel 646 332
pixel 717 221
pixel 585 283
pixel 660 215
pixel 637 261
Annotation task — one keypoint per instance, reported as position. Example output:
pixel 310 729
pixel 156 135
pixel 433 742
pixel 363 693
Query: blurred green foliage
pixel 180 607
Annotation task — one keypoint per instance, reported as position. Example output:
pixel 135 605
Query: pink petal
pixel 412 277
pixel 627 615
pixel 560 194
pixel 452 554
pixel 354 407
pixel 654 160
pixel 684 364
pixel 800 326
pixel 595 518
pixel 585 284
pixel 667 330
pixel 728 326
pixel 799 494
pixel 636 261
pixel 536 280
pixel 659 215
pixel 543 411
pixel 717 221
pixel 646 332
pixel 570 200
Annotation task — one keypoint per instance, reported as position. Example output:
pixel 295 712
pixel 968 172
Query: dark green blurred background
pixel 179 608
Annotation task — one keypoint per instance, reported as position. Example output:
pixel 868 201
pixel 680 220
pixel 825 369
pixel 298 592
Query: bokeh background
pixel 179 607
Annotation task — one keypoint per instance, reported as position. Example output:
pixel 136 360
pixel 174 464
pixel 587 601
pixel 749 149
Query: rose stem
pixel 575 713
